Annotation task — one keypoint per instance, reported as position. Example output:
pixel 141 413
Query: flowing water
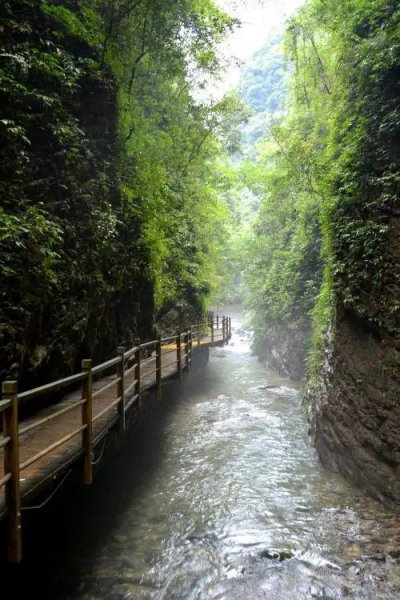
pixel 220 496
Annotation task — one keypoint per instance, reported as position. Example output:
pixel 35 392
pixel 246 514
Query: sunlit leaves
pixel 334 163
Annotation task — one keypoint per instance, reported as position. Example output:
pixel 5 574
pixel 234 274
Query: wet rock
pixel 197 537
pixel 303 509
pixel 266 386
pixel 120 539
pixel 379 540
pixel 273 554
pixel 375 557
pixel 279 347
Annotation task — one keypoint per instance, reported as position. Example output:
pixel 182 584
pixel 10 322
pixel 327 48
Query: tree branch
pixel 141 55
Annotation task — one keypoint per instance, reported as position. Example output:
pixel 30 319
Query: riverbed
pixel 218 495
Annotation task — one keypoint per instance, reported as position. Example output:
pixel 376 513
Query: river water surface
pixel 220 496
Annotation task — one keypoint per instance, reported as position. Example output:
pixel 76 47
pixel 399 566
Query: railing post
pixel 87 422
pixel 186 347
pixel 190 345
pixel 212 329
pixel 121 388
pixel 179 353
pixel 223 328
pixel 138 392
pixel 159 368
pixel 11 465
pixel 217 321
pixel 230 327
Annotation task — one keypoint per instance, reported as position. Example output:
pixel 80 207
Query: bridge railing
pixel 122 380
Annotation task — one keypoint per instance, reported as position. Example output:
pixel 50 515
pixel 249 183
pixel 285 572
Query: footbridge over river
pixel 35 452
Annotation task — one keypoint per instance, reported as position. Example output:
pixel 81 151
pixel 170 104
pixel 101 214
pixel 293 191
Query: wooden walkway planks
pixel 35 450
pixel 35 441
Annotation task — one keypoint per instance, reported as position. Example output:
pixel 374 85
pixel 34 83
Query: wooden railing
pixel 132 372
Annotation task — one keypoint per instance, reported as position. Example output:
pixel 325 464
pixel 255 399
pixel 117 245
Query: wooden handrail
pixel 132 400
pixel 131 352
pixel 37 424
pixel 4 404
pixel 171 338
pixel 106 409
pixel 49 387
pixel 105 387
pixel 50 448
pixel 148 344
pixel 181 344
pixel 5 479
pixel 131 386
pixel 4 441
pixel 130 369
pixel 105 365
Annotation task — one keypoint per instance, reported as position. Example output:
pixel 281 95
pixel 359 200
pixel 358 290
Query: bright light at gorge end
pixel 259 20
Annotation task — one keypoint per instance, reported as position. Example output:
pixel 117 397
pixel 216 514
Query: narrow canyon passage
pixel 218 495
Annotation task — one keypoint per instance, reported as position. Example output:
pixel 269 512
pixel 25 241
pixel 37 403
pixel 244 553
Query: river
pixel 218 495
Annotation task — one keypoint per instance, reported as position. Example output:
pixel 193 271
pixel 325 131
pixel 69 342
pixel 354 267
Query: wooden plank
pixel 142 375
pixel 52 447
pixel 41 422
pixel 49 387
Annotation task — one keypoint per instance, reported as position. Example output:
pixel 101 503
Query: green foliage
pixel 82 22
pixel 173 143
pixel 282 266
pixel 331 175
pixel 263 86
pixel 30 235
pixel 113 208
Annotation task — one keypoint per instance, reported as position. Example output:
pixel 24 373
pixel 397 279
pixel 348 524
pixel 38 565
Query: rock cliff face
pixel 324 269
pixel 96 172
pixel 284 348
pixel 74 283
pixel 354 407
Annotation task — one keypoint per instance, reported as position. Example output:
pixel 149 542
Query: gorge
pixel 135 195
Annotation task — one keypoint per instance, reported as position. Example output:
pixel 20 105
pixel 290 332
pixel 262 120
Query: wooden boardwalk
pixel 34 451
